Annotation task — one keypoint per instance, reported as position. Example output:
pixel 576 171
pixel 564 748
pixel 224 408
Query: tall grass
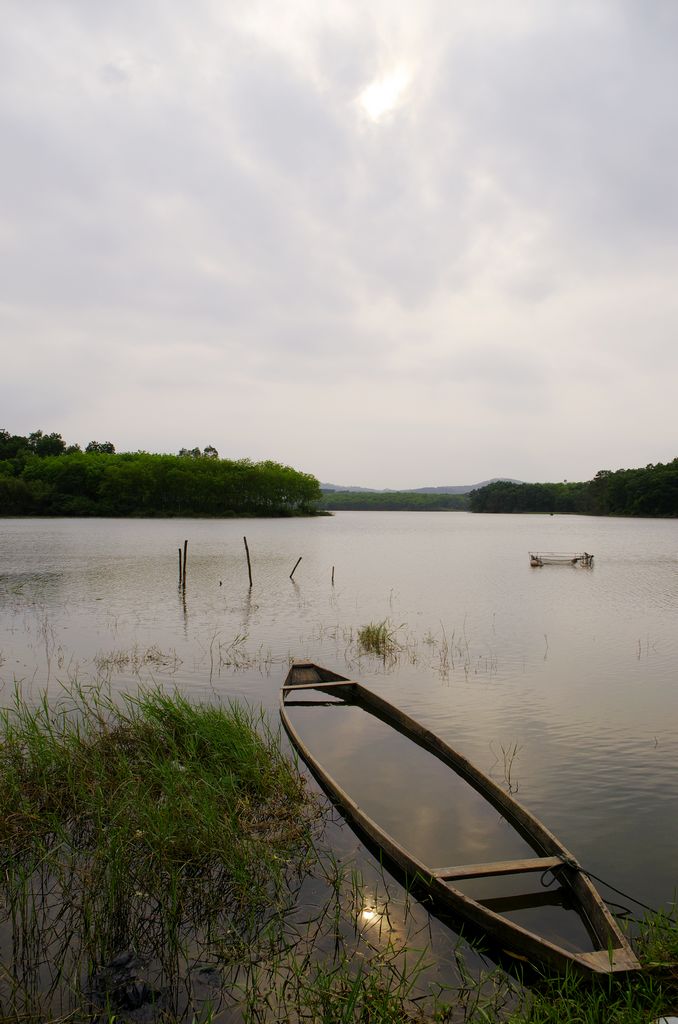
pixel 572 1000
pixel 151 786
pixel 378 638
pixel 637 998
pixel 152 826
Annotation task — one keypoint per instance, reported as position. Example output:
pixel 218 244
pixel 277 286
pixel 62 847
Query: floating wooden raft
pixel 538 558
pixel 611 951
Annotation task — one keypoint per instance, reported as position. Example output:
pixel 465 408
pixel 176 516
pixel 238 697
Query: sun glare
pixel 384 94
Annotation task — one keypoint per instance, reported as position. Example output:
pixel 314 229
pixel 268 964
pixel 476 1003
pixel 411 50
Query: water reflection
pixel 427 808
pixel 434 814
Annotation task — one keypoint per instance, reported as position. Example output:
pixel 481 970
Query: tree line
pixel 41 475
pixel 651 491
pixel 393 501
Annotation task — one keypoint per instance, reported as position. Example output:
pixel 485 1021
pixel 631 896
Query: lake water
pixel 561 682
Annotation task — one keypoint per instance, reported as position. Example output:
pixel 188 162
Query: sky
pixel 390 244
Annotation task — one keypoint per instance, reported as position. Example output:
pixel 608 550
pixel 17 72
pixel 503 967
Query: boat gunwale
pixel 614 953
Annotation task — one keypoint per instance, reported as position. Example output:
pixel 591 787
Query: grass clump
pixel 151 826
pixel 574 999
pixel 155 784
pixel 636 998
pixel 657 941
pixel 378 638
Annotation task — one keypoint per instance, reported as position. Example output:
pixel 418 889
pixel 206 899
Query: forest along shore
pixel 41 476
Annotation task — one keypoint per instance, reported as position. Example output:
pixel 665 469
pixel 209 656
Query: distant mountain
pixel 465 488
pixel 353 490
pixel 451 489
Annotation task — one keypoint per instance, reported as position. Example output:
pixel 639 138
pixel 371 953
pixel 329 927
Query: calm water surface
pixel 560 682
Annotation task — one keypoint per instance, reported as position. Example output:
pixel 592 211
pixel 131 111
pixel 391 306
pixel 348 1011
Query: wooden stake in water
pixel 332 575
pixel 295 567
pixel 183 579
pixel 249 564
pixel 179 566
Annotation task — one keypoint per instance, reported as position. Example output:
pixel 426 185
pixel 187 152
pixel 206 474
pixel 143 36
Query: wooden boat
pixel 539 558
pixel 608 950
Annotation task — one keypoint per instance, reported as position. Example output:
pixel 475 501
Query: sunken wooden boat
pixel 539 558
pixel 606 949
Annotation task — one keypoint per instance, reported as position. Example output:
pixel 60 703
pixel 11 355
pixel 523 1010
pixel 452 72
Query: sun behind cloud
pixel 386 92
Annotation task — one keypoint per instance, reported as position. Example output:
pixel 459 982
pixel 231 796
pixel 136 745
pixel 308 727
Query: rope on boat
pixel 620 892
pixel 624 911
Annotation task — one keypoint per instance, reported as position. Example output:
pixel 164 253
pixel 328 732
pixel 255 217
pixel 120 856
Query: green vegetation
pixel 378 638
pixel 393 501
pixel 151 826
pixel 140 791
pixel 652 491
pixel 40 475
pixel 634 1000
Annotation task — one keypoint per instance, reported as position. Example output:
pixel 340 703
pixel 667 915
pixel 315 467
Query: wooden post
pixel 332 575
pixel 249 564
pixel 183 581
pixel 179 566
pixel 295 567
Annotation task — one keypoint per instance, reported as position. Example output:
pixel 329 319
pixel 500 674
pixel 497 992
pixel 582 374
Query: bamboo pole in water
pixel 179 566
pixel 183 581
pixel 295 567
pixel 249 564
pixel 332 575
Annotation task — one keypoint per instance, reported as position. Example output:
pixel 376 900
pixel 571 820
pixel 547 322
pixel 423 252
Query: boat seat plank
pixel 318 685
pixel 315 704
pixel 526 901
pixel 498 867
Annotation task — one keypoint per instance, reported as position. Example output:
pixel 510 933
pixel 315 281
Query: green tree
pixel 46 444
pixel 40 476
pixel 101 447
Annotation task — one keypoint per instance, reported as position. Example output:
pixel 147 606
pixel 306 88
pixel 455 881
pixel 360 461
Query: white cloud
pixel 394 245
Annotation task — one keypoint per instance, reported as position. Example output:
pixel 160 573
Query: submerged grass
pixel 378 638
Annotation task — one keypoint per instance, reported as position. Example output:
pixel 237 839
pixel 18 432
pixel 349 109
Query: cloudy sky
pixel 391 244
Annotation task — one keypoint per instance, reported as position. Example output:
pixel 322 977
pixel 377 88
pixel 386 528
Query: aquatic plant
pixel 378 638
pixel 135 660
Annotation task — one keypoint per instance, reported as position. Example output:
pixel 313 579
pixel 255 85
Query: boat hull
pixel 613 954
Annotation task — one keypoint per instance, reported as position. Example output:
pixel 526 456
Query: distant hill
pixel 453 498
pixel 464 488
pixel 393 501
pixel 353 490
pixel 450 489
